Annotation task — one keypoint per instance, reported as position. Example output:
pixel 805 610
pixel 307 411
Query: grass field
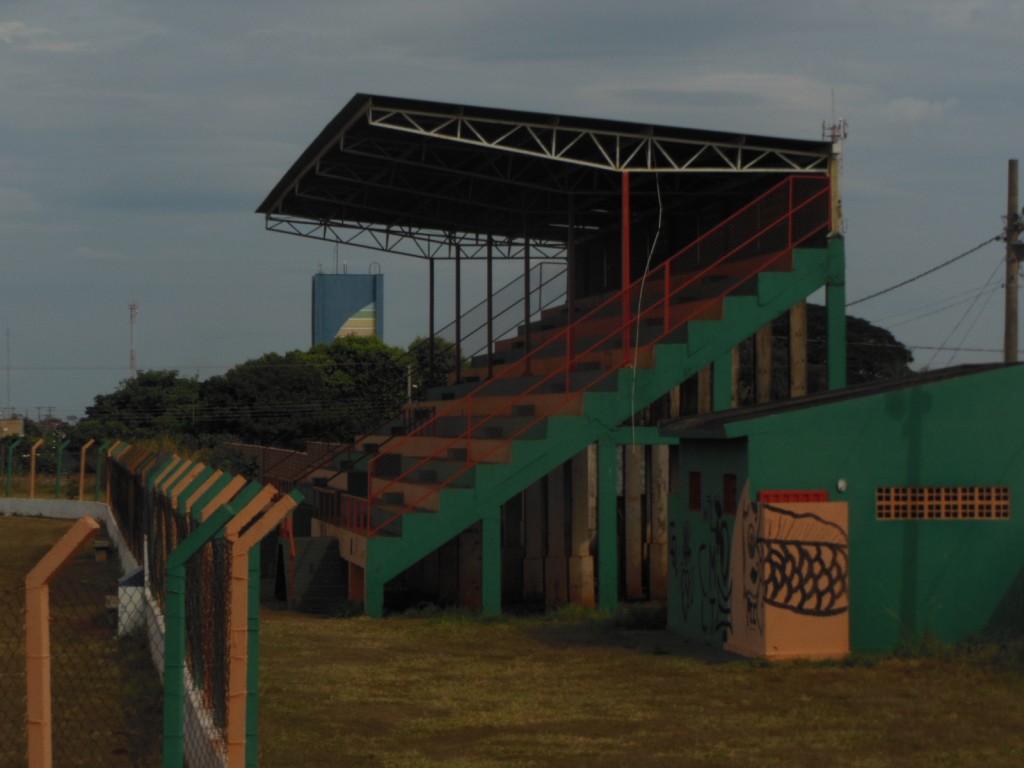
pixel 575 690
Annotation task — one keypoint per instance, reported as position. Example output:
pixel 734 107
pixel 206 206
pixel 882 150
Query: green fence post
pixel 10 467
pixel 174 641
pixel 60 465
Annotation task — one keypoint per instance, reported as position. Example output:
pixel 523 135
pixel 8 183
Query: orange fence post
pixel 37 638
pixel 81 470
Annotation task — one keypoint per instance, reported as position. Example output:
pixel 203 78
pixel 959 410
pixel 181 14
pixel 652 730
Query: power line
pixel 926 272
pixel 966 313
pixel 983 291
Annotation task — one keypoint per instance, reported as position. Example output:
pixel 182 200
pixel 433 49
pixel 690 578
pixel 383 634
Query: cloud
pixel 12 30
pixel 912 109
pixel 727 99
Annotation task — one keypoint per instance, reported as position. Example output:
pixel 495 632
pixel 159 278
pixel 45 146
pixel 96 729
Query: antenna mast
pixel 835 132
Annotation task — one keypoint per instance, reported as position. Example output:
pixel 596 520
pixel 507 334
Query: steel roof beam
pixel 594 148
pixel 427 243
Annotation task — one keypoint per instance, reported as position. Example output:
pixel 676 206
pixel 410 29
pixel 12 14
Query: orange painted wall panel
pixel 790 574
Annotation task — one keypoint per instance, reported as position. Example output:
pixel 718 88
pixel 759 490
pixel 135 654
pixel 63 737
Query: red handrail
pixel 761 234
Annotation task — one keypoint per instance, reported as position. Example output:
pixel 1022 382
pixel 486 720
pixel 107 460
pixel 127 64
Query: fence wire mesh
pixel 106 695
pixel 13 743
pixel 107 699
pixel 208 595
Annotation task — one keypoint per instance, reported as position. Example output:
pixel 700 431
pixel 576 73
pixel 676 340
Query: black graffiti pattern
pixel 715 580
pixel 681 569
pixel 806 576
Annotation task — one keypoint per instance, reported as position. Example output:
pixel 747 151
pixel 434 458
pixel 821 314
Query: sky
pixel 137 139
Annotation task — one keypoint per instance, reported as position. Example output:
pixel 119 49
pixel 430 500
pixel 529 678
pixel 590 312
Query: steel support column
pixel 430 340
pixel 526 304
pixel 458 311
pixel 627 319
pixel 490 307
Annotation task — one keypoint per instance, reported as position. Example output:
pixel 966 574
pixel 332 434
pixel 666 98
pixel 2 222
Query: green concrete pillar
pixel 721 383
pixel 835 300
pixel 490 563
pixel 607 525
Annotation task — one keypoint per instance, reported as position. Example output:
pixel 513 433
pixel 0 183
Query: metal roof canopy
pixel 419 177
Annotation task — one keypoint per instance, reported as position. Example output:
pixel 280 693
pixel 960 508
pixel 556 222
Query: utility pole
pixel 1013 251
pixel 10 408
pixel 133 311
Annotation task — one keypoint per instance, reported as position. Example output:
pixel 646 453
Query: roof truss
pixel 418 178
pixel 606 149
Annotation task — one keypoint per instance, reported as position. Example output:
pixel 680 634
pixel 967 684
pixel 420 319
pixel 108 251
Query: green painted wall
pixel 947 579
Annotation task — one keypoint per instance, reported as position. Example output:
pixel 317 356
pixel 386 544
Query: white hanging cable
pixel 639 310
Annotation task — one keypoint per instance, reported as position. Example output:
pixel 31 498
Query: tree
pixel 366 381
pixel 427 373
pixel 872 354
pixel 334 392
pixel 150 404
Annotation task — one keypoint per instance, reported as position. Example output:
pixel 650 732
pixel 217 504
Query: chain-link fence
pixel 186 522
pixel 13 744
pixel 106 694
pixel 105 700
pixel 169 594
pixel 55 469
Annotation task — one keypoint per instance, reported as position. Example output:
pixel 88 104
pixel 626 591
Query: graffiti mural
pixel 680 561
pixel 715 576
pixel 751 562
pixel 699 562
pixel 793 564
pixel 805 563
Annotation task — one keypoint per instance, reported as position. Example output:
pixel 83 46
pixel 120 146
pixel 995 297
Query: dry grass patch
pixel 577 690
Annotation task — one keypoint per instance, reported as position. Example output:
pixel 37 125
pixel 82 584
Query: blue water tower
pixel 348 305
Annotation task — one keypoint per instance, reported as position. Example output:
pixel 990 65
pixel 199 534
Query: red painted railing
pixel 617 333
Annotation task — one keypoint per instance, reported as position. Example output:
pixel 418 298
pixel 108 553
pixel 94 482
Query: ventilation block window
pixel 955 502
